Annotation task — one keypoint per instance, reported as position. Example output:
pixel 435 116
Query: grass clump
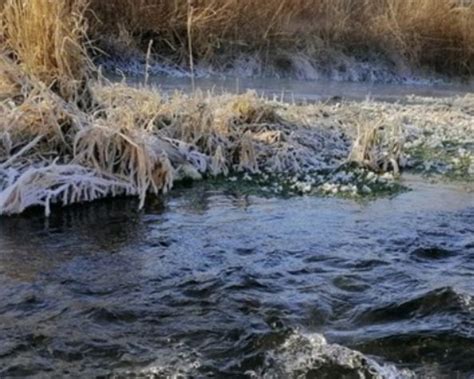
pixel 379 146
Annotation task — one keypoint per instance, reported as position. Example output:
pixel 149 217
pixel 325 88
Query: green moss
pixel 352 183
pixel 451 160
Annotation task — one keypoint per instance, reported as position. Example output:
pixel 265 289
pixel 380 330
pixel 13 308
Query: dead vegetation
pixel 139 141
pixel 379 145
pixel 438 34
pixel 47 39
pixel 134 142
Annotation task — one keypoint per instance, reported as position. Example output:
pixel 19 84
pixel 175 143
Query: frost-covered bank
pixel 139 141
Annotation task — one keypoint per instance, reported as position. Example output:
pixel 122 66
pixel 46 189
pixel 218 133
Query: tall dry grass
pixel 47 39
pixel 434 33
pixel 437 33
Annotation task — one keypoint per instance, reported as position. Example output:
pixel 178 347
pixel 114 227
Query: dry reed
pixel 434 33
pixel 379 145
pixel 139 142
pixel 47 39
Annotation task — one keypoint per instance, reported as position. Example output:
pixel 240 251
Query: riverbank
pixel 384 41
pixel 139 141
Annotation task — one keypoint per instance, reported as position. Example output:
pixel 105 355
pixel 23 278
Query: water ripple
pixel 222 285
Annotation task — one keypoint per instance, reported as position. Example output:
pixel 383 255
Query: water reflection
pixel 32 244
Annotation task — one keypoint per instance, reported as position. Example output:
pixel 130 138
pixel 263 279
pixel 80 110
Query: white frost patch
pixel 296 66
pixel 65 184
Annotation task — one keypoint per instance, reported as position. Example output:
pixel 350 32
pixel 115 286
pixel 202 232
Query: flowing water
pixel 213 283
pixel 210 282
pixel 290 90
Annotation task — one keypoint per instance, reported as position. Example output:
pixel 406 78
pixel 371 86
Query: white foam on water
pixel 303 354
pixel 182 363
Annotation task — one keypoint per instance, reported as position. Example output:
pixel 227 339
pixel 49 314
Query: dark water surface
pixel 208 283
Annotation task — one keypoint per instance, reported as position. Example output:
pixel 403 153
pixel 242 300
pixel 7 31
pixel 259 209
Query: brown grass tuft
pixel 379 145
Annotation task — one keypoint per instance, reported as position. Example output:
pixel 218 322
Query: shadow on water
pixel 44 243
pixel 206 282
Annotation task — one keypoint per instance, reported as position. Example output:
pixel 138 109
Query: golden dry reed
pixel 438 34
pixel 47 39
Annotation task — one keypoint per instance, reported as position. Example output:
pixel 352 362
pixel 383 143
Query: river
pixel 214 283
pixel 300 91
